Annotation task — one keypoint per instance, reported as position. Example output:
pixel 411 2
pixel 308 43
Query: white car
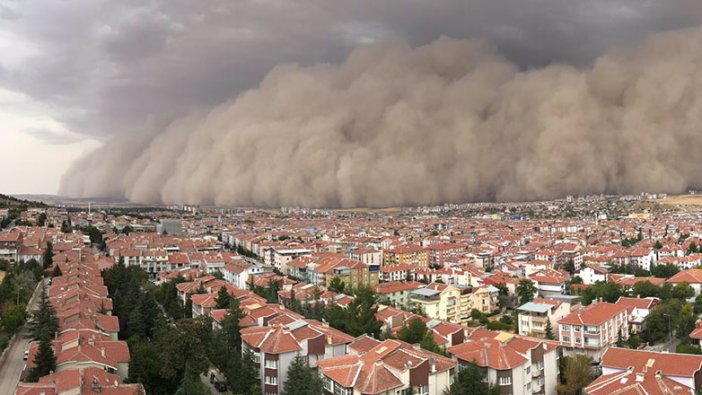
pixel 26 355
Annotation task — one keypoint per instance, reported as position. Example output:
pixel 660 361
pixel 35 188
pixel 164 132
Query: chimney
pixel 417 346
pixel 102 351
pixel 96 385
pixel 432 361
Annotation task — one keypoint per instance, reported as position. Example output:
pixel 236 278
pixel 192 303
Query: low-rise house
pixel 592 274
pixel 693 277
pixel 389 367
pixel 638 309
pixel 90 380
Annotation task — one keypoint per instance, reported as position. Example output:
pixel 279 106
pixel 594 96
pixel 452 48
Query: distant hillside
pixel 18 204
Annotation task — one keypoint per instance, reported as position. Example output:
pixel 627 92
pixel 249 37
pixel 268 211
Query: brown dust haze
pixel 452 121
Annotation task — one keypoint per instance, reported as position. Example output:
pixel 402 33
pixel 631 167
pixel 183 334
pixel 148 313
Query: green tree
pixel 336 285
pixel 48 256
pixel 361 314
pixel 577 375
pixel 191 384
pixel 13 317
pixel 645 289
pixel 549 331
pixel 44 361
pixel 272 289
pixel 413 332
pixel 56 272
pixel 660 321
pixel 301 379
pixel 683 291
pixel 145 366
pixel 526 290
pixel 634 342
pixel 223 298
pixel 471 380
pixel 428 343
pixel 185 343
pixel 44 323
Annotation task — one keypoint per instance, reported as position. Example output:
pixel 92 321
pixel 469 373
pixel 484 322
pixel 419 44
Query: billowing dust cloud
pixel 452 121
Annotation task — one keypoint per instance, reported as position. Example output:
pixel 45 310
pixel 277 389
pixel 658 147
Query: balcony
pixel 535 372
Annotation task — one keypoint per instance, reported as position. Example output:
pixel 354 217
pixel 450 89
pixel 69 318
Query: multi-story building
pixel 627 371
pixel 275 347
pixel 412 255
pixel 550 282
pixel 444 302
pixel 389 367
pixel 535 315
pixel 638 309
pixel 590 330
pixel 592 274
pixel 10 244
pixel 518 365
pixel 397 293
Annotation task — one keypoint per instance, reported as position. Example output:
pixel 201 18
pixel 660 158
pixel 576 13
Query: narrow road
pixel 12 364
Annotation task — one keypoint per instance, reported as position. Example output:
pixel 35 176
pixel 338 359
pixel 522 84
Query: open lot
pixel 682 200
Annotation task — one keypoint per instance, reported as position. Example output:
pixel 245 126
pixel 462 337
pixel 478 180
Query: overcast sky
pixel 74 73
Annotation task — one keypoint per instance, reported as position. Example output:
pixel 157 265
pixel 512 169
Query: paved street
pixel 13 363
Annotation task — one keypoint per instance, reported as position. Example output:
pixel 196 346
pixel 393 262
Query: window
pixel 505 380
pixel 577 328
pixel 566 327
pixel 422 390
pixel 566 338
pixel 273 380
pixel 271 364
pixel 528 370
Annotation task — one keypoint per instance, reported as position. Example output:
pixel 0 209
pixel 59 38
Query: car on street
pixel 220 386
pixel 26 355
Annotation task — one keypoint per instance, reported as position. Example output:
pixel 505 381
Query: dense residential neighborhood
pixel 196 300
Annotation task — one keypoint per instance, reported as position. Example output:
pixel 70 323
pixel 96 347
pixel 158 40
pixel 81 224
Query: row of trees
pixel 16 287
pixel 43 328
pixel 610 291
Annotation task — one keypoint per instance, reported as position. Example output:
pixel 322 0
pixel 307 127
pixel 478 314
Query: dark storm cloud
pixel 110 66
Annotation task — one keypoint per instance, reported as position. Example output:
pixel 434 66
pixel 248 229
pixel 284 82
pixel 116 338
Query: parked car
pixel 26 355
pixel 220 386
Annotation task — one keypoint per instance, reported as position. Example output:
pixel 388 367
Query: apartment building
pixel 393 367
pixel 443 302
pixel 627 371
pixel 274 348
pixel 592 329
pixel 534 316
pixel 10 244
pixel 550 282
pixel 411 255
pixel 397 293
pixel 518 365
